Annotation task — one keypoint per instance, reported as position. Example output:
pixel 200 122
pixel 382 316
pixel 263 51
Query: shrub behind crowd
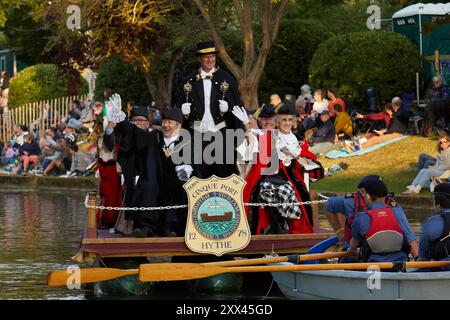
pixel 37 83
pixel 353 62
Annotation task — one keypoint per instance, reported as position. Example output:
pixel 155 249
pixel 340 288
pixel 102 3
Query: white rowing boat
pixel 361 285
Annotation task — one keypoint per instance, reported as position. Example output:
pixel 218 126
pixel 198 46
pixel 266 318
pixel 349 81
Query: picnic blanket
pixel 342 153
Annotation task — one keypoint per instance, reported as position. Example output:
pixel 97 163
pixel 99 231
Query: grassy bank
pixel 396 163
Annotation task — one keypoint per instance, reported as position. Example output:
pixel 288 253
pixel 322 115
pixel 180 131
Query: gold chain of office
pixel 250 204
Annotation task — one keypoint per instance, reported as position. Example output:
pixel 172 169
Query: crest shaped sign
pixel 216 222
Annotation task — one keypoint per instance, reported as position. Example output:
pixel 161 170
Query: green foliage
pixel 24 31
pixel 287 66
pixel 354 61
pixel 124 79
pixel 38 82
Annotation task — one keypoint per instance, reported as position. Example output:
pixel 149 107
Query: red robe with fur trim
pixel 296 226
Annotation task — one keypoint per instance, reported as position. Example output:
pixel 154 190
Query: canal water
pixel 40 231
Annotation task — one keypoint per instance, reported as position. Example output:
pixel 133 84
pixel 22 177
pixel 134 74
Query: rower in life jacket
pixel 435 237
pixel 341 211
pixel 382 232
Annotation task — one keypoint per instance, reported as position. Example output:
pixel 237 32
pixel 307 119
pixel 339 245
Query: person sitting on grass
pixel 80 161
pixel 29 152
pixel 424 177
pixel 386 115
pixel 342 122
pixel 324 134
pixel 335 100
pixel 61 158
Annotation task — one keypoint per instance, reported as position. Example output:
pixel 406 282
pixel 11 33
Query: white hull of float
pixel 353 285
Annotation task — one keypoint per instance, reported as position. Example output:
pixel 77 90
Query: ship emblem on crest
pixel 216 222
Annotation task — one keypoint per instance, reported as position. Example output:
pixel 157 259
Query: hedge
pixel 355 61
pixel 39 82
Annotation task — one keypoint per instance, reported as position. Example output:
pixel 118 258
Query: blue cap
pixel 375 187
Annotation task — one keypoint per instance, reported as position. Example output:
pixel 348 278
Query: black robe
pixel 158 183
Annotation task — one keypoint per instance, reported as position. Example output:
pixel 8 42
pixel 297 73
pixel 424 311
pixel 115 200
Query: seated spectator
pixel 343 122
pixel 29 152
pixel 423 179
pixel 386 115
pixel 61 158
pixel 275 100
pixel 8 154
pixel 334 99
pixel 320 103
pixel 80 160
pixel 20 131
pixel 304 102
pixel 439 91
pixel 324 135
pixel 398 126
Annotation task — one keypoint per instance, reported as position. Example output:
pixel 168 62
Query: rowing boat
pixel 361 285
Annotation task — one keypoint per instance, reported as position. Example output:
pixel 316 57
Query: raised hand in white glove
pixel 186 108
pixel 114 111
pixel 116 101
pixel 223 106
pixel 241 114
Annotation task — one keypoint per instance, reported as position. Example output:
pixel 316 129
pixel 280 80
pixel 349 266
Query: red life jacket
pixel 384 234
pixel 359 205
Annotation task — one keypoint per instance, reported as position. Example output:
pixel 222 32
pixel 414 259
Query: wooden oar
pixel 189 271
pixel 90 275
pixel 87 275
pixel 294 258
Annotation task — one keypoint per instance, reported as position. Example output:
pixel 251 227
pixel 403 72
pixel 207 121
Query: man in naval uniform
pixel 206 99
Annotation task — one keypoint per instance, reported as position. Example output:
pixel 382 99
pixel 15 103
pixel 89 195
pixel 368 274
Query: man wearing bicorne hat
pixel 206 99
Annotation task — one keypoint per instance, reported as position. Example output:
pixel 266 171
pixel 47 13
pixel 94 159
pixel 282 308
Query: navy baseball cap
pixel 361 184
pixel 442 189
pixel 375 187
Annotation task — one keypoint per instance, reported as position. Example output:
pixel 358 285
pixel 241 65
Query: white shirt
pixel 289 141
pixel 170 142
pixel 320 106
pixel 207 123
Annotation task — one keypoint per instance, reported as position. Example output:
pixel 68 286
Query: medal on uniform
pixel 224 86
pixel 187 89
pixel 167 151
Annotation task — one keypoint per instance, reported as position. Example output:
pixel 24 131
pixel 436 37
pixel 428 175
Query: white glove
pixel 184 172
pixel 186 108
pixel 115 102
pixel 114 111
pixel 223 106
pixel 241 114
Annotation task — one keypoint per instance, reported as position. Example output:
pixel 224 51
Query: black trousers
pixel 219 166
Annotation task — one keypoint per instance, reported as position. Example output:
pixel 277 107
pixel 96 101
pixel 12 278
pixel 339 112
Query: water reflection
pixel 39 232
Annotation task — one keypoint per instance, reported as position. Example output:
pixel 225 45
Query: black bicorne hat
pixel 139 112
pixel 285 108
pixel 267 111
pixel 173 114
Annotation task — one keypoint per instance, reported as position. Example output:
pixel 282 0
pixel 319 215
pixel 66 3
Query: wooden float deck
pixel 103 244
pixel 114 245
